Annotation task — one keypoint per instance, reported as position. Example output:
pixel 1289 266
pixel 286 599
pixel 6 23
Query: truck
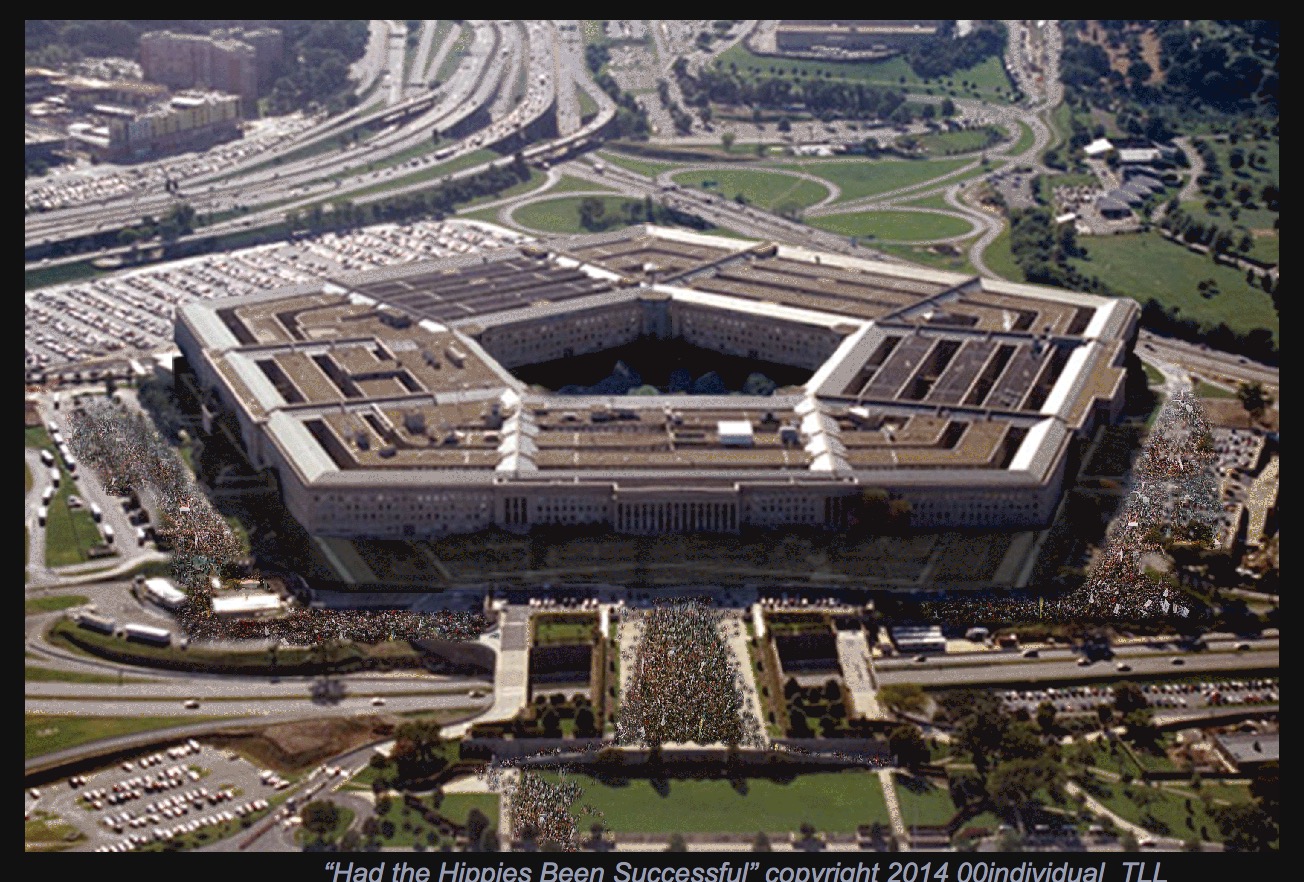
pixel 97 512
pixel 147 634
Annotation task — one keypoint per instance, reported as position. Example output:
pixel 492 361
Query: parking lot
pixel 1195 694
pixel 129 314
pixel 157 796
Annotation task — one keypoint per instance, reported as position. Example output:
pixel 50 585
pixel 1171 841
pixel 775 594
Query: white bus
pixel 108 534
pixel 41 514
pixel 97 512
pixel 54 477
pixel 47 458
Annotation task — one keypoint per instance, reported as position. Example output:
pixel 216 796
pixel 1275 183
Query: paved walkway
pixel 853 655
pixel 888 780
pixel 736 639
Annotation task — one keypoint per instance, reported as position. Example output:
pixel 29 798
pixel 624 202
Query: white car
pixel 377 701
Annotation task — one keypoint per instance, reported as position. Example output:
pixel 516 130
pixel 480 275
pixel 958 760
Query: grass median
pixel 294 662
pixel 47 733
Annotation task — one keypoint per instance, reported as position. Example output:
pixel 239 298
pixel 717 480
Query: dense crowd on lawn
pixel 130 456
pixel 540 811
pixel 1175 497
pixel 685 687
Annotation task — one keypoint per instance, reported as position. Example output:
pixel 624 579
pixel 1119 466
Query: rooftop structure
pixel 386 403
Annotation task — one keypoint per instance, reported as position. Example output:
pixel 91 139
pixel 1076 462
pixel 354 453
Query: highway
pixel 939 672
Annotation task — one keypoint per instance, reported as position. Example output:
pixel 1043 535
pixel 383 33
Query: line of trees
pixel 437 202
pixel 825 98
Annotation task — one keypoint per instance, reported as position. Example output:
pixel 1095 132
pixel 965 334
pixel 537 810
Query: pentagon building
pixel 385 402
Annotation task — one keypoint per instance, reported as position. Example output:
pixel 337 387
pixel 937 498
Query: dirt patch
pixel 293 747
pixel 1118 57
pixel 1228 412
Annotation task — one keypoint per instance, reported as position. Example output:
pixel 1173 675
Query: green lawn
pixel 456 806
pixel 893 225
pixel 68 533
pixel 1145 265
pixel 835 802
pixel 646 167
pixel 986 80
pixel 46 733
pixel 33 674
pixel 858 178
pixel 923 802
pixel 56 275
pixel 343 819
pixel 1026 140
pixel 461 46
pixel 409 827
pixel 1166 813
pixel 1209 390
pixel 562 215
pixel 52 603
pixel 949 143
pixel 772 191
pixel 1000 260
pixel 924 255
pixel 27 478
pixel 1153 375
pixel 47 831
pixel 570 184
pixel 433 173
pixel 588 107
pixel 536 180
pixel 548 630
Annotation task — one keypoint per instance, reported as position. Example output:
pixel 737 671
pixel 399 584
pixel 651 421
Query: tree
pixel 1245 827
pixel 1046 716
pixel 418 750
pixel 1254 398
pixel 1127 841
pixel 900 697
pixel 1128 697
pixel 907 744
pixel 477 823
pixel 585 722
pixel 1266 787
pixel 677 843
pixel 320 817
pixel 727 140
pixel 761 843
pixel 1013 785
pixel 592 213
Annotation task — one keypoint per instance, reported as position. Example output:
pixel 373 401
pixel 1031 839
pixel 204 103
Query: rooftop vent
pixel 415 422
pixel 387 452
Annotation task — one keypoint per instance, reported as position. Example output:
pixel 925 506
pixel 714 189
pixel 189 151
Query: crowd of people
pixel 309 627
pixel 541 811
pixel 1174 497
pixel 685 686
pixel 131 457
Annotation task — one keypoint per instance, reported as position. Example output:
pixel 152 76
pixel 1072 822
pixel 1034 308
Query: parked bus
pixel 108 535
pixel 47 458
pixel 97 513
pixel 148 634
